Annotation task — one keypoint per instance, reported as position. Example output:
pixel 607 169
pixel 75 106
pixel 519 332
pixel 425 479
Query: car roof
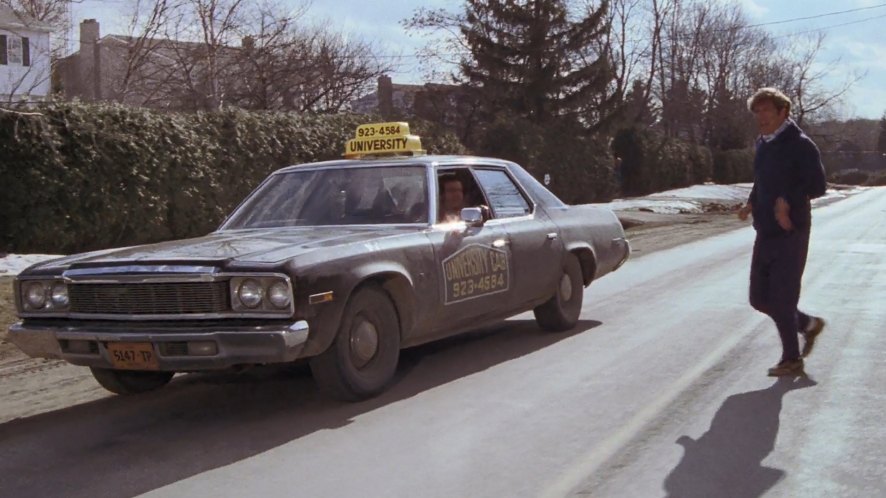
pixel 429 161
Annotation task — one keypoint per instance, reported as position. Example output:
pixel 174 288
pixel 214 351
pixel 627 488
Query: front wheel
pixel 561 312
pixel 363 358
pixel 130 381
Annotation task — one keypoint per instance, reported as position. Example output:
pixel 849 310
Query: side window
pixel 505 198
pixel 457 189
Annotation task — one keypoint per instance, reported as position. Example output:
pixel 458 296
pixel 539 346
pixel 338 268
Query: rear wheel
pixel 130 381
pixel 362 360
pixel 561 312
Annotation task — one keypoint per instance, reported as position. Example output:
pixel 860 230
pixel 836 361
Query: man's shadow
pixel 727 459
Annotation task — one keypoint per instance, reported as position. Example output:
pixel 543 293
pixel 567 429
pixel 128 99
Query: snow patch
pixel 706 198
pixel 689 200
pixel 13 264
pixel 838 194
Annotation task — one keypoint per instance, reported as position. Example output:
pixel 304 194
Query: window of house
pixel 15 50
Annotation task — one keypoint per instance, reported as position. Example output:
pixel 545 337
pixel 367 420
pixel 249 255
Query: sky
pixel 856 48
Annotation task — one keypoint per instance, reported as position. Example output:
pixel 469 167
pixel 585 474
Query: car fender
pixel 390 276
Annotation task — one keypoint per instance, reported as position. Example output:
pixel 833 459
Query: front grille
pixel 149 298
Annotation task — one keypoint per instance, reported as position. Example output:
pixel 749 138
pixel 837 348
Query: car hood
pixel 255 245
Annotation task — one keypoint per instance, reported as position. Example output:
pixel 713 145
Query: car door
pixel 535 245
pixel 473 265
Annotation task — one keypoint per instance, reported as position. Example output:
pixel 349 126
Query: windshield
pixel 344 196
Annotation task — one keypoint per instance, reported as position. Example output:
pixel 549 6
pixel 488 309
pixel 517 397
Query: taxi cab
pixel 343 262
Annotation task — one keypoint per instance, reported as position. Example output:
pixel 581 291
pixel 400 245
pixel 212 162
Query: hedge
pixel 734 166
pixel 88 176
pixel 877 179
pixel 652 163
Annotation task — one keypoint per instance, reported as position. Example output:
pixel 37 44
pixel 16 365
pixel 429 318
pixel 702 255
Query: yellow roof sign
pixel 383 139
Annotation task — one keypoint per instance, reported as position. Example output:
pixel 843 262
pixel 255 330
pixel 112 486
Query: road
pixel 661 391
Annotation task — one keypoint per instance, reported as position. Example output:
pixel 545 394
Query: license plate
pixel 133 356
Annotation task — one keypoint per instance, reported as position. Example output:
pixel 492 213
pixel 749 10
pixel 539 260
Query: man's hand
pixel 783 214
pixel 745 211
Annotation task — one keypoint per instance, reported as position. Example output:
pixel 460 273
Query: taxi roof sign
pixel 383 139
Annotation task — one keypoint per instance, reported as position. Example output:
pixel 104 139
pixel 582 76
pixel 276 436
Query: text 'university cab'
pixel 343 263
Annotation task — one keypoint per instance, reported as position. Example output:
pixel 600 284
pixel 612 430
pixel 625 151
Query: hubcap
pixel 565 288
pixel 364 343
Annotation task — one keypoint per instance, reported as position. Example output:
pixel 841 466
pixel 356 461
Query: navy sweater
pixel 787 166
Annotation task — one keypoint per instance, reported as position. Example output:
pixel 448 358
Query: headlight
pixel 268 295
pixel 250 293
pixel 59 295
pixel 278 294
pixel 35 295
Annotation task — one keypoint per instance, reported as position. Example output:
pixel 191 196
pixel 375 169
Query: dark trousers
pixel 776 271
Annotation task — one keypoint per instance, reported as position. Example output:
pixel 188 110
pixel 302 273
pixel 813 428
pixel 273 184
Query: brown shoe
pixel 815 328
pixel 785 368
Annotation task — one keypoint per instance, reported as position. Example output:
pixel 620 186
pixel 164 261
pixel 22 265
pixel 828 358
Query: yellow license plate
pixel 133 356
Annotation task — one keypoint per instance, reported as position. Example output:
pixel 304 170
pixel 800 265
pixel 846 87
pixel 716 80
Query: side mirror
pixel 472 216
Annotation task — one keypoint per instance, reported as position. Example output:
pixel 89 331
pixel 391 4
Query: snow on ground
pixel 708 191
pixel 13 264
pixel 690 200
pixel 706 198
pixel 838 194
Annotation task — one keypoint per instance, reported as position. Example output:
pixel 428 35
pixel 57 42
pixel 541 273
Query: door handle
pixel 499 243
pixel 552 235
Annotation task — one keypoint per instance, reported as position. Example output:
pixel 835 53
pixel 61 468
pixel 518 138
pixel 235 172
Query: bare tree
pixel 284 66
pixel 207 54
pixel 633 44
pixel 142 48
pixel 711 58
pixel 445 47
pixel 810 96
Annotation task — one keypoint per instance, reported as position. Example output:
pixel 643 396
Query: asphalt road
pixel 661 391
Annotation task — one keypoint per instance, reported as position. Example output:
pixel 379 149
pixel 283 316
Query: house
pixel 25 58
pixel 434 102
pixel 452 106
pixel 147 72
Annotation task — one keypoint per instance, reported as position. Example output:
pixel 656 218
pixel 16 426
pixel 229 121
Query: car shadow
pixel 727 459
pixel 128 445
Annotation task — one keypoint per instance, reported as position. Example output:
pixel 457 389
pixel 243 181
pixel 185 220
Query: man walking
pixel 787 175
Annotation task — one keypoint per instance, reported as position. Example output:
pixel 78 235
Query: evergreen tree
pixel 529 57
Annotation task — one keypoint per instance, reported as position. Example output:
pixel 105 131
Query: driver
pixel 452 199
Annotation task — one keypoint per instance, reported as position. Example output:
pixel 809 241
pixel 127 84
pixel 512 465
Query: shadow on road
pixel 727 460
pixel 124 446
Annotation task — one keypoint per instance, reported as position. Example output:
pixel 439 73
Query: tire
pixel 130 381
pixel 362 359
pixel 561 312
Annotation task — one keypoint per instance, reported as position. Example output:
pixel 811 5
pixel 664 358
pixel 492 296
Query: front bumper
pixel 235 345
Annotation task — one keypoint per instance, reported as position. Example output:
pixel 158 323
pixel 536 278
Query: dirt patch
pixel 650 232
pixel 7 318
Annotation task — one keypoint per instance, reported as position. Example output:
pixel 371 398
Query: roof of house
pixel 12 20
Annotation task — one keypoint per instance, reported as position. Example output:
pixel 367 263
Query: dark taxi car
pixel 342 262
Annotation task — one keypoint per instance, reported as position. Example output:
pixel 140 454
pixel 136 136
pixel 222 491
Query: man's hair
pixel 774 95
pixel 449 179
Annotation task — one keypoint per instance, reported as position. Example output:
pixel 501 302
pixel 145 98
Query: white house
pixel 25 58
